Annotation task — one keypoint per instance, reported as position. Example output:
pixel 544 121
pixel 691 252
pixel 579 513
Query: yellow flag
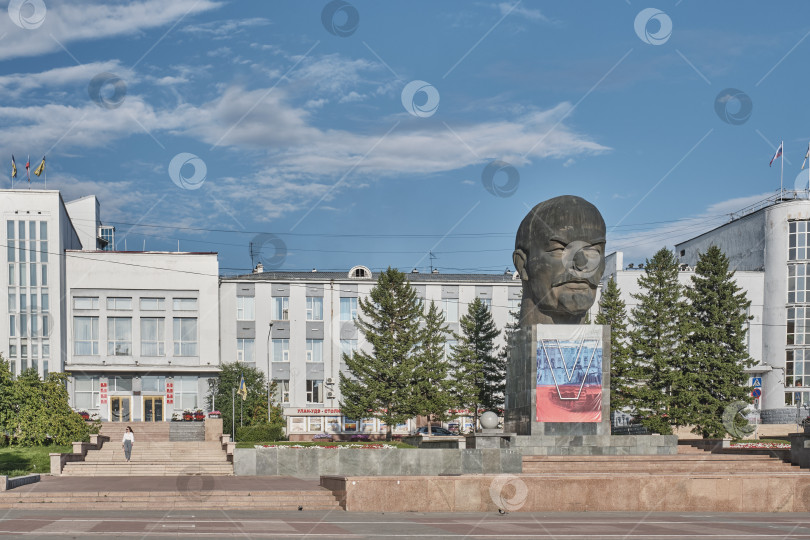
pixel 242 388
pixel 13 167
pixel 41 168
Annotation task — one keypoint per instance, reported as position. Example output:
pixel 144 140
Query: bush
pixel 260 433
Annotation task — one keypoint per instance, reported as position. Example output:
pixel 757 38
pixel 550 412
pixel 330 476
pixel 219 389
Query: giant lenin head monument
pixel 558 372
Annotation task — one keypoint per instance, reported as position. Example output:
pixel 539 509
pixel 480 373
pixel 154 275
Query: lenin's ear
pixel 519 258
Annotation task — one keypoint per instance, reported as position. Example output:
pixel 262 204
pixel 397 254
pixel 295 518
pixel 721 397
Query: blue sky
pixel 309 149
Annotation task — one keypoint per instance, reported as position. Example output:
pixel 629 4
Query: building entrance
pixel 153 409
pixel 120 408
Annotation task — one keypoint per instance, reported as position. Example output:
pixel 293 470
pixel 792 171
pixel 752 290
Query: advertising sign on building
pixel 569 373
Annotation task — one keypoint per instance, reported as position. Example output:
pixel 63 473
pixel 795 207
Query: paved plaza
pixel 209 522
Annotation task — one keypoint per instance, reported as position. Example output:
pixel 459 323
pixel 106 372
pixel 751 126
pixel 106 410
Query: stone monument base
pixel 577 445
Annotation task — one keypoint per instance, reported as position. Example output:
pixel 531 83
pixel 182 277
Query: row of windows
pixel 798 240
pixel 18 231
pixel 119 336
pixel 280 308
pixel 29 325
pixel 86 390
pixel 280 349
pixel 115 303
pixel 32 347
pixel 28 363
pixel 35 300
pixel 315 391
pixel 23 274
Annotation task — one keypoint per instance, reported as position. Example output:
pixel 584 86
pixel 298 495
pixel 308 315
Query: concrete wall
pixel 314 462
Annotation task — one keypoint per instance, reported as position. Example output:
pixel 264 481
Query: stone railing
pixel 80 450
pixel 11 482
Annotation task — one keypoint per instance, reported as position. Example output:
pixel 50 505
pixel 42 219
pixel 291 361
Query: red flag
pixel 28 168
pixel 777 154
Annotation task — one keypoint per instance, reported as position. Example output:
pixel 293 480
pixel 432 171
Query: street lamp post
pixel 269 332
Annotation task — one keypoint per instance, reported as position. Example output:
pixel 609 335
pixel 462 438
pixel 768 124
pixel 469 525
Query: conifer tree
pixel 613 312
pixel 431 389
pixel 656 339
pixel 712 375
pixel 480 374
pixel 381 380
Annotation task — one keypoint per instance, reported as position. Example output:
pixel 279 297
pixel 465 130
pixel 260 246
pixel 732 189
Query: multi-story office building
pixel 769 248
pixel 297 325
pixel 137 331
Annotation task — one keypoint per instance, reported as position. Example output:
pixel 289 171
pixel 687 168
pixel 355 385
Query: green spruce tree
pixel 713 375
pixel 656 340
pixel 613 313
pixel 480 373
pixel 379 382
pixel 431 388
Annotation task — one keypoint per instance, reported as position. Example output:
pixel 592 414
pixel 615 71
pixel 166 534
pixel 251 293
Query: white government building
pixel 143 333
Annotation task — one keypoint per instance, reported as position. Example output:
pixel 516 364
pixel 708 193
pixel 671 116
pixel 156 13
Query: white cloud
pixel 14 85
pixel 531 14
pixel 225 29
pixel 569 162
pixel 303 161
pixel 70 21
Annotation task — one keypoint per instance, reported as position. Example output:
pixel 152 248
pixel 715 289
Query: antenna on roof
pixel 432 256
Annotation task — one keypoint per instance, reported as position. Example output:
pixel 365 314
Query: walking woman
pixel 127 442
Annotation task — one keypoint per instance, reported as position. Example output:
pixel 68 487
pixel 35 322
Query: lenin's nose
pixel 580 260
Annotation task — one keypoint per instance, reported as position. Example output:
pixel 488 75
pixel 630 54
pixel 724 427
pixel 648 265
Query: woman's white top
pixel 128 436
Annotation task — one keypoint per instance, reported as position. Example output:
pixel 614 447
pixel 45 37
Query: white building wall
pixel 85 215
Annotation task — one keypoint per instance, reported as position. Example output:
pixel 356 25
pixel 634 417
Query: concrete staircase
pixel 153 454
pixel 688 461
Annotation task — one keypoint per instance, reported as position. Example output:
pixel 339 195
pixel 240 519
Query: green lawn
pixel 20 460
pixel 398 444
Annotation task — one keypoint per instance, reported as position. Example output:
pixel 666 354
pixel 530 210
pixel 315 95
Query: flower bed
pixel 762 445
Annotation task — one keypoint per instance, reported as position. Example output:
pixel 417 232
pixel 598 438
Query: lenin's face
pixel 564 269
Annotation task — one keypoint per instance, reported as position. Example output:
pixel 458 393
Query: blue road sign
pixel 756 393
pixel 757 382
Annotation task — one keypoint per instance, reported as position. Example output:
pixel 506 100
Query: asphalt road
pixel 212 523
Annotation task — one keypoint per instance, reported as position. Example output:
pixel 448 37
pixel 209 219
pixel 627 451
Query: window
pixel 120 384
pixel 348 309
pixel 450 309
pixel 12 274
pixel 12 350
pixel 314 350
pixel 153 383
pixel 798 325
pixel 152 336
pixel 85 336
pixel 185 304
pixel 85 302
pixel 245 350
pixel 185 336
pixel 797 241
pixel 44 280
pixel 487 302
pixel 314 391
pixel 12 325
pixel 153 304
pixel 792 398
pixel 282 394
pixel 798 284
pixel 348 347
pixel 281 308
pixel 244 308
pixel 119 303
pixel 314 308
pixel 85 392
pixel 46 305
pixel 185 392
pixel 797 368
pixel 12 299
pixel 107 234
pixel 23 275
pixel 23 302
pixel 281 350
pixel 119 336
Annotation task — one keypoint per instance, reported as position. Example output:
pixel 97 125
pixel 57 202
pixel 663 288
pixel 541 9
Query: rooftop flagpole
pixel 782 172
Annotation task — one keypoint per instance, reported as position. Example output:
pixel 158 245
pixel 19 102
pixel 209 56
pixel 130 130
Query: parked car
pixel 435 431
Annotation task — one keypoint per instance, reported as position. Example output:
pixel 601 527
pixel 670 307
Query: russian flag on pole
pixel 777 154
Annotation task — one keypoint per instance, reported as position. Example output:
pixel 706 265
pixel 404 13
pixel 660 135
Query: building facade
pixel 137 331
pixel 296 326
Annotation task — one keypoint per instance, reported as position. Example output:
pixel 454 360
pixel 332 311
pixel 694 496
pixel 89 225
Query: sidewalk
pixel 58 484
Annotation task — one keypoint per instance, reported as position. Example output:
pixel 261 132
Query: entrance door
pixel 119 408
pixel 153 409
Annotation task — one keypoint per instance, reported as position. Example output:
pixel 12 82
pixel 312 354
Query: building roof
pixel 343 276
